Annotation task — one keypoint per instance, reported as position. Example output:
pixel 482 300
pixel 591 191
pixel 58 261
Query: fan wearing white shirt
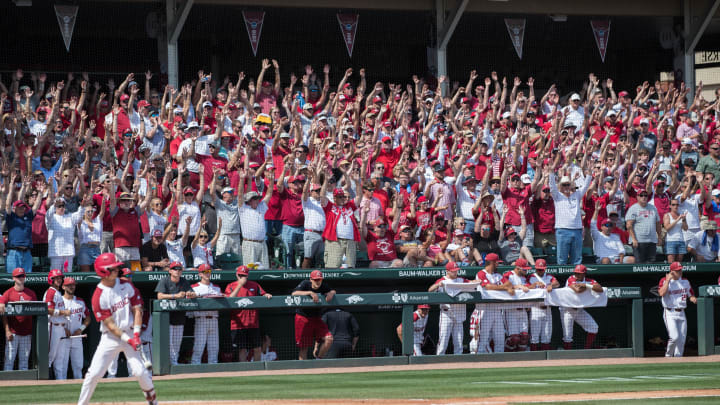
pixel 314 200
pixel 607 246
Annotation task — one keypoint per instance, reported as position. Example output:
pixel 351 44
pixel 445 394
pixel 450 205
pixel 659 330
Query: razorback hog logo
pixel 354 299
pixel 464 297
pixel 244 302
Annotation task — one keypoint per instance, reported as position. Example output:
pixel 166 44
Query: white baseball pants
pixel 571 315
pixel 76 357
pixel 417 349
pixel 112 368
pixel 58 353
pixel 176 335
pixel 517 321
pixel 540 325
pixel 206 332
pixel 676 325
pixel 18 347
pixel 107 350
pixel 491 322
pixel 449 326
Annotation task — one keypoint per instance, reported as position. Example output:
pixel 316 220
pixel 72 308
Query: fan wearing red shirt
pixel 381 241
pixel 245 324
pixel 212 161
pixel 388 156
pixel 342 232
pixel 516 196
pixel 18 329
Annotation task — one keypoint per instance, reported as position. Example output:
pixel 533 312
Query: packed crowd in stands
pixel 310 174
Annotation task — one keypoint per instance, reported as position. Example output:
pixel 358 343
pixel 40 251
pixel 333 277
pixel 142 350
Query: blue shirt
pixel 20 229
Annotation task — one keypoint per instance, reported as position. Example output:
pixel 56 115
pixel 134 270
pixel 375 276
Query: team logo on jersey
pixel 354 299
pixel 245 302
pixel 399 297
pixel 464 297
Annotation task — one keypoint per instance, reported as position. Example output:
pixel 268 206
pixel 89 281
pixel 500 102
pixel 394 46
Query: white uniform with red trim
pixel 74 347
pixel 571 315
pixel 206 326
pixel 474 330
pixel 452 317
pixel 674 304
pixel 541 315
pixel 516 318
pixel 114 302
pixel 57 325
pixel 491 317
pixel 419 323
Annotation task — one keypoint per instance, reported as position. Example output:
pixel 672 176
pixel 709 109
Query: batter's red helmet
pixel 580 269
pixel 105 261
pixel 54 273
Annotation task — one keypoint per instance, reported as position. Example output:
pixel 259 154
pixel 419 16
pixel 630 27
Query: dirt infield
pixel 461 401
pixel 412 367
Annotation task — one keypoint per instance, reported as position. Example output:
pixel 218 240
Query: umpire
pixel 345 331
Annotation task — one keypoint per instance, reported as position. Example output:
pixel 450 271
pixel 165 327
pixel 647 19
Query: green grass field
pixel 649 401
pixel 401 384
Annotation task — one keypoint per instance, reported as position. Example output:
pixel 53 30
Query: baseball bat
pixel 146 362
pixel 74 337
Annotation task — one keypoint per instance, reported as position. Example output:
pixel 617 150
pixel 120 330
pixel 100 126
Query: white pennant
pixel 516 29
pixel 66 16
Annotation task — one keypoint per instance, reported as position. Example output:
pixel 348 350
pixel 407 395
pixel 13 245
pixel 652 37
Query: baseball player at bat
pixel 78 321
pixel 491 317
pixel 579 283
pixel 117 305
pixel 675 291
pixel 541 315
pixel 452 316
pixel 517 318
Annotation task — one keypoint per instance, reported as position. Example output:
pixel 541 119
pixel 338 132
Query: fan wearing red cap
pixel 169 288
pixel 19 339
pixel 675 291
pixel 309 326
pixel 292 214
pixel 420 318
pixel 517 319
pixel 78 321
pixel 387 155
pixel 579 283
pixel 342 231
pixel 439 190
pixel 57 321
pixel 491 320
pixel 206 322
pixel 125 217
pixel 607 242
pixel 118 307
pixel 267 93
pixel 517 198
pixel 541 315
pixel 452 316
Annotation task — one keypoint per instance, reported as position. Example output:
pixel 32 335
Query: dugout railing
pixel 38 364
pixel 628 297
pixel 708 298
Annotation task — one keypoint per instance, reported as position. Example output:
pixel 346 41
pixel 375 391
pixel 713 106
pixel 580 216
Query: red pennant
pixel 601 30
pixel 254 23
pixel 348 28
pixel 516 29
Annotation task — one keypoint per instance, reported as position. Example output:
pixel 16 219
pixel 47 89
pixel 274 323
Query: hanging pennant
pixel 516 29
pixel 348 28
pixel 601 31
pixel 66 16
pixel 254 23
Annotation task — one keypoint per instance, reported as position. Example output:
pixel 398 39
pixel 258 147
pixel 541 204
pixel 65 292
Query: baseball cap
pixel 175 265
pixel 307 106
pixel 403 228
pixel 575 97
pixel 612 112
pixel 510 231
pixel 469 179
pixel 19 203
pixel 188 190
pixel 242 270
pixel 522 263
pixel 458 232
pixel 157 232
pixel 142 104
pixel 124 97
pixel 249 196
pixel 316 275
pixel 687 141
pixel 644 121
pixel 18 272
pixel 525 178
pixel 451 266
pixel 423 306
pixel 421 199
pixel 193 125
pixel 540 264
pixel 491 257
pixel 338 192
pixel 623 94
pixel 580 269
pixel 68 281
pixel 126 196
pixel 565 180
pixel 715 193
pixel 674 266
pixel 207 104
pixel 227 190
pixel 204 267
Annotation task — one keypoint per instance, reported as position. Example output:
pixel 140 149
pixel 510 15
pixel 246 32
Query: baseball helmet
pixel 54 273
pixel 580 269
pixel 104 262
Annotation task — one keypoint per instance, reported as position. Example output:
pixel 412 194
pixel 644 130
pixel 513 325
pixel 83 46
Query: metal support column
pixel 407 330
pixel 706 326
pixel 638 337
pixel 444 29
pixel 161 339
pixel 176 16
pixel 42 347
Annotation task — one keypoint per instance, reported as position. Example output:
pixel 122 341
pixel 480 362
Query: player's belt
pixel 543 307
pixel 312 230
pixel 253 240
pixel 208 317
pixel 57 324
pixel 519 309
pixel 675 309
